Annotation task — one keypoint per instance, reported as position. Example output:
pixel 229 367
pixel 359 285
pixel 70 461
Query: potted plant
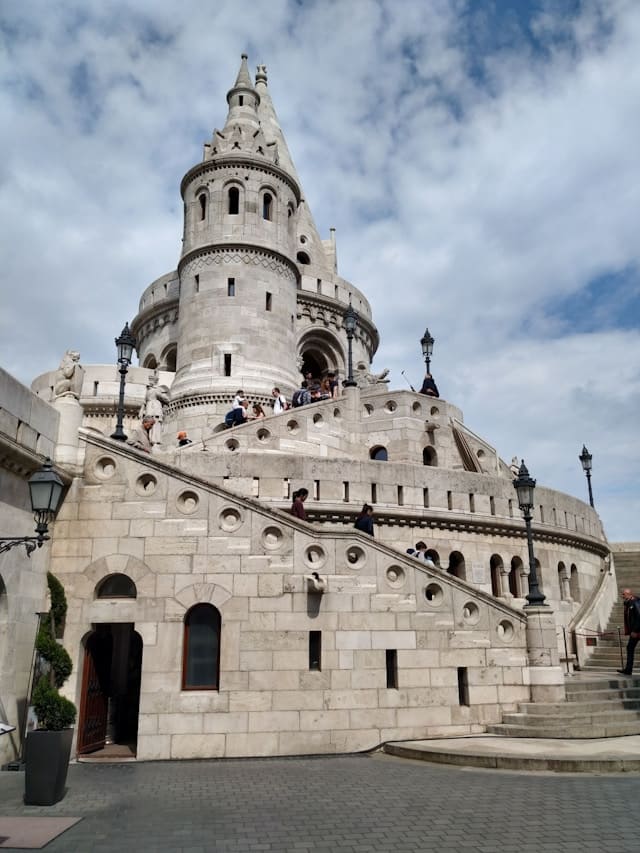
pixel 48 747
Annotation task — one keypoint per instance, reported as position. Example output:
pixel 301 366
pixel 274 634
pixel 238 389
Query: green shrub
pixel 58 603
pixel 54 711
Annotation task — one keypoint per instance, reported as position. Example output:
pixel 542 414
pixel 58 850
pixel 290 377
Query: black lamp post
pixel 45 491
pixel 427 342
pixel 524 486
pixel 125 344
pixel 350 323
pixel 585 458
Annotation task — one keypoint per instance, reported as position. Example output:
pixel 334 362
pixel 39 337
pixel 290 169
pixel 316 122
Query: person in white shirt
pixel 279 402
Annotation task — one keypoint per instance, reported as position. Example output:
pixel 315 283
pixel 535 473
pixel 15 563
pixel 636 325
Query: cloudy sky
pixel 478 158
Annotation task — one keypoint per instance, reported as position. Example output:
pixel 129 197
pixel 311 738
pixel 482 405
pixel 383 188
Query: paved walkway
pixel 345 804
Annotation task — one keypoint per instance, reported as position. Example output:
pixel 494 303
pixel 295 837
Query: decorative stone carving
pixel 364 377
pixel 156 396
pixel 69 376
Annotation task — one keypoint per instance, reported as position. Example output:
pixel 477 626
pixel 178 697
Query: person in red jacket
pixel 631 627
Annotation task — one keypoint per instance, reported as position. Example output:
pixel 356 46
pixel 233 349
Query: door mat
pixel 32 833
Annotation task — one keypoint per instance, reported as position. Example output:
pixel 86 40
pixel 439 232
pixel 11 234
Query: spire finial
pixel 244 78
pixel 261 74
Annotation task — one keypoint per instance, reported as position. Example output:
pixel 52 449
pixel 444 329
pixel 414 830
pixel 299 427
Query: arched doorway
pixel 110 695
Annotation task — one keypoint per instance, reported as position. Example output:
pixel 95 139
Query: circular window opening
pixel 315 556
pixel 391 406
pixel 480 454
pixel 416 408
pixel 505 630
pixel 435 410
pixel 318 419
pixel 187 502
pixel 146 484
pixel 367 410
pixel 303 258
pixel 293 426
pixel 263 434
pixel 337 414
pixel 272 537
pixel 433 594
pixel 395 576
pixel 356 557
pixel 105 468
pixel 471 613
pixel 230 518
pixel 303 239
pixel 232 444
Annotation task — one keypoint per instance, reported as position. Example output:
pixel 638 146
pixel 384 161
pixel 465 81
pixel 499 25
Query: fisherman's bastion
pixel 204 619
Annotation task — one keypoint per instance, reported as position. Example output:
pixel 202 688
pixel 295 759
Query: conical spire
pixel 243 80
pixel 271 125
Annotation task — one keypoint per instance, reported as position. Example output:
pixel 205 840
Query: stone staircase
pixel 600 703
pixel 596 707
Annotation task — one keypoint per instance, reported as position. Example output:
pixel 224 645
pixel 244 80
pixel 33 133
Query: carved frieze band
pixel 228 163
pixel 247 256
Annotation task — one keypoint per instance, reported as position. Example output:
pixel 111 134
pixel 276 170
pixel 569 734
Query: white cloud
pixel 479 200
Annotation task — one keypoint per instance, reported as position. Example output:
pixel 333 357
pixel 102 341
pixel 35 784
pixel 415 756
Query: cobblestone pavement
pixel 350 804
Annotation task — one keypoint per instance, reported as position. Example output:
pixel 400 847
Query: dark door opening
pixel 110 696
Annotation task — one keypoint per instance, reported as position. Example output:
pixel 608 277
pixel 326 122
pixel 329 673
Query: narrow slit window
pixel 425 498
pixel 241 100
pixel 374 493
pixel 202 199
pixel 492 505
pixel 286 488
pixel 315 651
pixel 400 495
pixel 234 200
pixel 392 668
pixel 268 301
pixel 95 389
pixel 463 686
pixel 541 513
pixel 201 648
pixel 227 364
pixel 510 508
pixel 231 287
pixel 345 490
pixel 196 282
pixel 449 500
pixel 267 206
pixel 472 502
pixel 316 490
pixel 319 285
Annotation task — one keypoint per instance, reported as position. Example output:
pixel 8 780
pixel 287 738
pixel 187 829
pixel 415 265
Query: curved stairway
pixel 600 702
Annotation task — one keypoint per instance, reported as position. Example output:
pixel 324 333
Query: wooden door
pixel 92 726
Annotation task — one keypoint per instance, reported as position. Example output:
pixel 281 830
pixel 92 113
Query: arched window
pixel 234 200
pixel 116 586
pixel 429 457
pixel 515 578
pixel 169 358
pixel 433 556
pixel 456 565
pixel 379 454
pixel 201 649
pixel 303 258
pixel 150 362
pixel 496 566
pixel 202 200
pixel 267 206
pixel 574 582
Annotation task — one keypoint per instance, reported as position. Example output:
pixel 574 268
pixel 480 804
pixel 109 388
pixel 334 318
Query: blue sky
pixel 478 160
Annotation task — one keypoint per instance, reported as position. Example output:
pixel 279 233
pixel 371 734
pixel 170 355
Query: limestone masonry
pixel 206 620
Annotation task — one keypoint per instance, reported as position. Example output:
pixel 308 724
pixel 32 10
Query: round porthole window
pixel 146 484
pixel 471 613
pixel 272 537
pixel 434 594
pixel 105 468
pixel 230 518
pixel 505 630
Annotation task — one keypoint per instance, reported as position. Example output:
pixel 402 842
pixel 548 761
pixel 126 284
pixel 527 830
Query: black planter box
pixel 46 763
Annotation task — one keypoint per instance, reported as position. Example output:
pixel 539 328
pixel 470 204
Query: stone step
pixel 570 732
pixel 568 709
pixel 613 681
pixel 578 719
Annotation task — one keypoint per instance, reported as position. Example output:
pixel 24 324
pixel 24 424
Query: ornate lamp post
pixel 45 491
pixel 125 344
pixel 524 486
pixel 350 323
pixel 585 458
pixel 427 342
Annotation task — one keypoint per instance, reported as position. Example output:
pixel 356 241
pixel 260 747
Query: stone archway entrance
pixel 110 696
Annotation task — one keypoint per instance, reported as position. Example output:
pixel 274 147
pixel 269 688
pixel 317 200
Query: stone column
pixel 546 677
pixel 67 451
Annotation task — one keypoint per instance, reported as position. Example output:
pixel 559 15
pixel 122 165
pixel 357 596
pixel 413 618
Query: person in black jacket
pixel 429 387
pixel 364 522
pixel 631 627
